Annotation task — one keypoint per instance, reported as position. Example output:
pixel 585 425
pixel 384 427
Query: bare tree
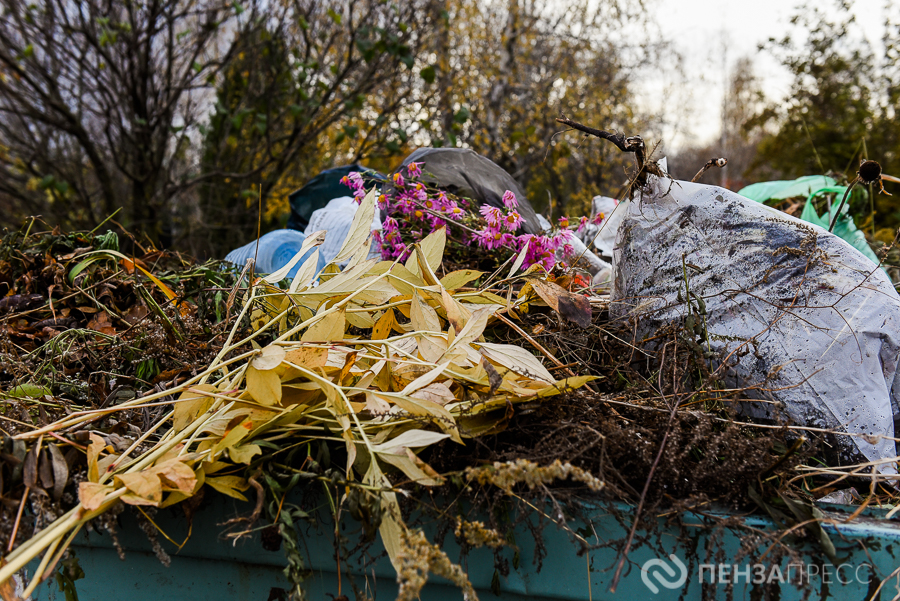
pixel 99 98
pixel 106 104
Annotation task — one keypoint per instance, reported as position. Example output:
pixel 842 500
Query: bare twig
pixel 713 162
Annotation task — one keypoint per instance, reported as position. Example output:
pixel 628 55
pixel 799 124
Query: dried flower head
pixel 869 172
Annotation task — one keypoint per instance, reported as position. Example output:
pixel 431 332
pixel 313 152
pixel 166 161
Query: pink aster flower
pixel 398 180
pixel 414 170
pixel 562 237
pixel 509 200
pixel 598 218
pixel 453 211
pixel 512 221
pixel 582 223
pixel 564 222
pixel 354 180
pixel 491 237
pixel 491 214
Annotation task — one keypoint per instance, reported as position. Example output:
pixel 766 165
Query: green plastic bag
pixel 845 227
pixel 812 186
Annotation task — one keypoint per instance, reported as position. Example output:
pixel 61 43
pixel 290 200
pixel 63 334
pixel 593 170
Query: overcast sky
pixel 702 30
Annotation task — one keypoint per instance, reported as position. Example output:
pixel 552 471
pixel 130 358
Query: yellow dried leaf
pixel 104 464
pixel 145 486
pixel 457 315
pixel 432 247
pixel 423 317
pixel 404 281
pixel 264 386
pixel 229 485
pixel 375 405
pixel 384 325
pixel 458 279
pixel 308 357
pixel 473 329
pixel 437 392
pixel 519 260
pixel 93 452
pixel 269 358
pixel 425 269
pixel 360 228
pixel 390 528
pixel 432 348
pixel 517 359
pixel 191 404
pixel 91 494
pixel 363 321
pixel 328 329
pixel 306 273
pixel 565 385
pixel 232 437
pixel 424 408
pixel 425 379
pixel 415 469
pixel 244 453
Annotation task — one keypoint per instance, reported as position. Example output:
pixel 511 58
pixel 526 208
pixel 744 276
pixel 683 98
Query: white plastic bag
pixel 335 218
pixel 801 306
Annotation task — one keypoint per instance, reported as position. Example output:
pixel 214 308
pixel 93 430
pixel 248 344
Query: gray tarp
pixel 466 173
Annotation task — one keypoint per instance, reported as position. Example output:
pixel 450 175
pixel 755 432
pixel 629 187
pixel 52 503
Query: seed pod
pixel 869 172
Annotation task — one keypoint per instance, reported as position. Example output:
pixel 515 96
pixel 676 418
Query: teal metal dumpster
pixel 693 557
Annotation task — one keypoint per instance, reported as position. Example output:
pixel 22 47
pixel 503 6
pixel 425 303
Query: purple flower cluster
pixel 355 181
pixel 423 211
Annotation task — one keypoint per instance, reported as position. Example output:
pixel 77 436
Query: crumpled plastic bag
pixel 799 306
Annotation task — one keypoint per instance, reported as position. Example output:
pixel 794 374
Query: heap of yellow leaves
pixel 403 387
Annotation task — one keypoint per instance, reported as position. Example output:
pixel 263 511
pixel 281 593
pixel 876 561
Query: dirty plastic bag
pixel 600 270
pixel 799 305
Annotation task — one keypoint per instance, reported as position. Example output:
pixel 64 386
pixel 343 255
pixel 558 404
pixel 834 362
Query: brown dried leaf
pixel 30 469
pixel 145 486
pixel 60 471
pixel 577 309
pixel 175 475
pixel 91 494
pixel 100 323
pixel 45 470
